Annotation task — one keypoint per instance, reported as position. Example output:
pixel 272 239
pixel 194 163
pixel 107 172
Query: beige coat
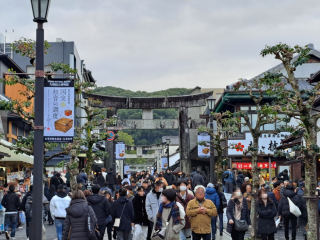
pixel 172 232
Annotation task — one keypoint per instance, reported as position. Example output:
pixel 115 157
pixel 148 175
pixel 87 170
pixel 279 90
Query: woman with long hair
pixel 140 219
pixel 86 193
pixel 266 210
pixel 108 196
pixel 50 194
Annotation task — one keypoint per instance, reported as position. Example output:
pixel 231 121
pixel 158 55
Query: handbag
pixel 293 208
pixel 95 233
pixel 108 219
pixel 117 220
pixel 160 234
pixel 240 225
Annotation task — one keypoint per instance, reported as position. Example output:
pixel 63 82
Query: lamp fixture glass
pixel 168 141
pixel 211 101
pixel 40 9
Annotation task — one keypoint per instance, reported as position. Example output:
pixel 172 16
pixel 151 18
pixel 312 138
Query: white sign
pixel 58 111
pixel 120 151
pixel 11 177
pixel 204 151
pixel 164 163
pixel 264 143
pixel 126 170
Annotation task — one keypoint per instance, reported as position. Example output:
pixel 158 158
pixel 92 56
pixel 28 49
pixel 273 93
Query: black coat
pixel 123 206
pixel 197 180
pixel 283 177
pixel 24 201
pixel 100 206
pixel 304 212
pixel 240 180
pixel 266 223
pixel 244 213
pixel 77 220
pixel 11 202
pixel 139 208
pixel 222 199
pixel 99 180
pixel 111 178
pixel 169 178
pixel 55 181
pixel 283 206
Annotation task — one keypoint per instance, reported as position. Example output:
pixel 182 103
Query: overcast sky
pixel 152 45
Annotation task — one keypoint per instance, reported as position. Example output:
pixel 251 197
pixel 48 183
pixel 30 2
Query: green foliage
pixel 126 138
pixel 60 66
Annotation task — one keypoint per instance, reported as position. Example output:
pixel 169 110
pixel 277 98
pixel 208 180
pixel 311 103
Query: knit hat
pixel 210 185
pixel 170 194
pixel 246 179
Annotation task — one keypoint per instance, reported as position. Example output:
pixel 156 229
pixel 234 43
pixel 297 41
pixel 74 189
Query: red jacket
pixel 184 203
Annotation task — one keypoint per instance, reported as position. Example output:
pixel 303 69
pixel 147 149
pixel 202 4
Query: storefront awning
pixel 14 157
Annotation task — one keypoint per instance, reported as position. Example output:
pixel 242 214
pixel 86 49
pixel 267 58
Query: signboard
pixel 111 136
pixel 126 170
pixel 164 163
pixel 247 165
pixel 265 141
pixel 120 151
pixel 11 177
pixel 58 111
pixel 204 151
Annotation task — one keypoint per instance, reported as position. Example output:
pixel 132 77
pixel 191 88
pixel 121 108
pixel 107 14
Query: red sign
pixel 111 135
pixel 247 165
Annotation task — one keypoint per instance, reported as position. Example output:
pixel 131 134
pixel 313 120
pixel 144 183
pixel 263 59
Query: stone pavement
pixel 280 234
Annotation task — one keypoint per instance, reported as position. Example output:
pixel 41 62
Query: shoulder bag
pixel 93 234
pixel 240 225
pixel 293 208
pixel 160 234
pixel 117 220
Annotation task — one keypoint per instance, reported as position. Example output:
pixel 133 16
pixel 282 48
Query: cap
pixel 210 185
pixel 246 179
pixel 267 187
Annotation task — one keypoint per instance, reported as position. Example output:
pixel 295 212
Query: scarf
pixel 238 208
pixel 175 214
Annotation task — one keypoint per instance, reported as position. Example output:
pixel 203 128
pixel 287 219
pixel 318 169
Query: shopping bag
pixel 278 222
pixel 22 217
pixel 294 209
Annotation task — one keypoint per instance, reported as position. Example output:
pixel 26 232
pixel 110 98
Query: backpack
pixel 226 175
pixel 28 207
pixel 224 202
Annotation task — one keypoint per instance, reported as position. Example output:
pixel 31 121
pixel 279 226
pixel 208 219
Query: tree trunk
pixel 185 162
pixel 72 168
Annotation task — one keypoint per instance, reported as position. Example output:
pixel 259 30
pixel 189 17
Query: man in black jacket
pixel 197 180
pixel 111 178
pixel 56 180
pixel 11 202
pixel 168 176
pixel 283 175
pixel 100 206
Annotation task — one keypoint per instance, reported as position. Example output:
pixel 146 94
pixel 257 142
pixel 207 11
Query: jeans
pixel 112 187
pixel 267 236
pixel 59 227
pixel 237 235
pixel 140 232
pixel 213 227
pixel 198 236
pixel 228 187
pixel 287 220
pixel 123 234
pixel 11 220
pixel 221 221
pixel 185 234
pixel 102 229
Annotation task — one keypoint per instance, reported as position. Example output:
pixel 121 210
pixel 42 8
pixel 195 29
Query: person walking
pixel 168 176
pixel 82 177
pixel 240 179
pixel 67 176
pixel 126 179
pixel 112 180
pixel 140 219
pixel 212 195
pixel 197 180
pixel 248 196
pixel 55 180
pixel 244 185
pixel 75 226
pixel 170 217
pixel 99 180
pixel 271 195
pixel 161 179
pixel 58 205
pixel 284 210
pixel 283 175
pixel 237 210
pixel 194 172
pixel 23 208
pixel 276 190
pixel 266 209
pixel 223 204
pixel 100 206
pixel 11 202
pixel 200 211
pixel 108 196
pixel 228 179
pixel 49 195
pixel 123 209
pixel 184 197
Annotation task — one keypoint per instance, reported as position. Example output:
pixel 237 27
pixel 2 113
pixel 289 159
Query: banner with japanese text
pixel 58 111
pixel 204 151
pixel 120 151
pixel 164 163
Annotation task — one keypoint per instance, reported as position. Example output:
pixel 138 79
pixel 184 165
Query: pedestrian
pixel 271 195
pixel 125 179
pixel 200 211
pixel 123 210
pixel 223 204
pixel 105 188
pixel 244 185
pixel 283 187
pixel 75 226
pixel 205 178
pixel 184 197
pixel 134 187
pixel 140 219
pixel 228 178
pixel 249 197
pixel 99 180
pixel 49 195
pixel 118 181
pixel 301 190
pixel 168 176
pixel 153 202
pixel 58 205
pixel 67 176
pixel 100 206
pixel 266 210
pixel 130 195
pixel 194 172
pixel 104 172
pixel 147 188
pixel 197 180
pixel 240 179
pixel 284 210
pixel 161 179
pixel 276 190
pixel 237 210
pixel 55 180
pixel 212 195
pixel 11 202
pixel 82 177
pixel 108 196
pixel 86 193
pixel 23 208
pixel 283 175
pixel 112 180
pixel 117 195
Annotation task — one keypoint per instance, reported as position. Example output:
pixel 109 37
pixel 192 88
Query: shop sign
pixel 58 111
pixel 204 151
pixel 126 170
pixel 120 151
pixel 164 163
pixel 13 176
pixel 244 165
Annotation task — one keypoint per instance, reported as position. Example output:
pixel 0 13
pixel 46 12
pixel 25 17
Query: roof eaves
pixel 12 64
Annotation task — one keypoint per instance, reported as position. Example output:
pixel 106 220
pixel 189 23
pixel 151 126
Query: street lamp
pixel 40 10
pixel 271 148
pixel 168 141
pixel 211 101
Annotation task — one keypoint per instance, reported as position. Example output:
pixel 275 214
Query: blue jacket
pixel 230 178
pixel 212 195
pixel 273 198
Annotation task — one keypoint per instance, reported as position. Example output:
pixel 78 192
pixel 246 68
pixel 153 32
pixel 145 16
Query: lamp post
pixel 271 149
pixel 168 141
pixel 211 101
pixel 40 10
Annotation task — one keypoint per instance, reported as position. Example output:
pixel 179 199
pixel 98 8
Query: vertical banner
pixel 120 150
pixel 58 111
pixel 204 151
pixel 126 170
pixel 164 163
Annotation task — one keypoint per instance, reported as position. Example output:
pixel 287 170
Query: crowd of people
pixel 147 206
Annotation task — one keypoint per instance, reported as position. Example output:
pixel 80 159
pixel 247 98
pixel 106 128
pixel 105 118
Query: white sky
pixel 158 44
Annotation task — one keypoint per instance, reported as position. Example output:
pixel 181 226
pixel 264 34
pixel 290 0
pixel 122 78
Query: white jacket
pixel 58 206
